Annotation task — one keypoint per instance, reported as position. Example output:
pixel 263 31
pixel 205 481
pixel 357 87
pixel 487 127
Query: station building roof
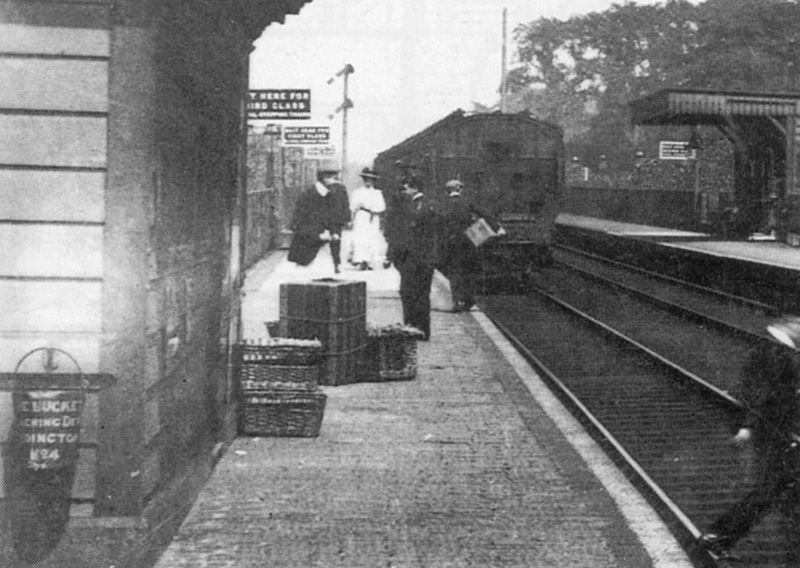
pixel 694 106
pixel 256 15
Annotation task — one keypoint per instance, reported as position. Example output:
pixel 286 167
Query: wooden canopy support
pixel 760 126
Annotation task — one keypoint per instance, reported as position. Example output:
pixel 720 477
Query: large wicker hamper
pixel 395 349
pixel 278 388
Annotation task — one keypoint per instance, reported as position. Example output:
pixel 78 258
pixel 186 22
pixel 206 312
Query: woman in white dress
pixel 367 206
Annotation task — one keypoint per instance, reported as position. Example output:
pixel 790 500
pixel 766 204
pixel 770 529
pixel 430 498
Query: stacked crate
pixel 334 312
pixel 279 390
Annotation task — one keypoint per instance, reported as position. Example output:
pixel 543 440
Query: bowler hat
pixel 454 184
pixel 368 173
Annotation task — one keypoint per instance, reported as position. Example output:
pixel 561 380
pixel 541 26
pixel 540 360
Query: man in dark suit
pixel 460 259
pixel 322 212
pixel 394 220
pixel 414 252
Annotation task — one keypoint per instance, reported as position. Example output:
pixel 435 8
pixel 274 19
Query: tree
pixel 583 72
pixel 747 45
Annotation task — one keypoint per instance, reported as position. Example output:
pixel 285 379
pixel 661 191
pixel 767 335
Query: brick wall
pixel 276 175
pixel 654 191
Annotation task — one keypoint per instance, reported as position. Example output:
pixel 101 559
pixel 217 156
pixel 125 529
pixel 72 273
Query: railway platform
pixel 766 271
pixel 767 252
pixel 472 463
pixel 625 229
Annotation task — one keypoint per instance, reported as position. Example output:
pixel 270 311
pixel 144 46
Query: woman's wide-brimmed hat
pixel 368 173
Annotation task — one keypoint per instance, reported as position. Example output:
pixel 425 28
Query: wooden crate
pixel 334 312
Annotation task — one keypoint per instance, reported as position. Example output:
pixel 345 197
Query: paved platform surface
pixel 618 228
pixel 768 252
pixel 472 463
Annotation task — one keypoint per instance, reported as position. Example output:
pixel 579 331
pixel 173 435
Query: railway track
pixel 663 410
pixel 709 348
pixel 716 303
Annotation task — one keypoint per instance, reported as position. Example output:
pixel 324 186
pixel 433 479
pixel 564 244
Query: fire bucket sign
pixel 47 424
pixel 47 419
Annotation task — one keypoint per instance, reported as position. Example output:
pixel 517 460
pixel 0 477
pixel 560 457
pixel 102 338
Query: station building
pixel 122 215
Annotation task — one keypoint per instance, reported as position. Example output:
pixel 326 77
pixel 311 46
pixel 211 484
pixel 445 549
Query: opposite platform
pixel 467 465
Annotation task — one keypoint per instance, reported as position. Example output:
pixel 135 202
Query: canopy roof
pixel 256 15
pixel 694 106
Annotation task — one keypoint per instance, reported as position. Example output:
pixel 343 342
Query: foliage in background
pixel 583 72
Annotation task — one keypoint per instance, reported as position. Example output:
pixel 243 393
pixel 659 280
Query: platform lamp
pixel 638 158
pixel 694 148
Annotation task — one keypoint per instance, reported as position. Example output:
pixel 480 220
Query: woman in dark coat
pixel 320 215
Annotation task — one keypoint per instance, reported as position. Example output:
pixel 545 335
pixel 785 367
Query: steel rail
pixel 674 367
pixel 671 306
pixel 675 511
pixel 636 470
pixel 657 276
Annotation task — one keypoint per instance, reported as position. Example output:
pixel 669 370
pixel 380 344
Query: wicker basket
pixel 281 351
pixel 397 358
pixel 256 377
pixel 282 413
pixel 295 364
pixel 260 386
pixel 396 350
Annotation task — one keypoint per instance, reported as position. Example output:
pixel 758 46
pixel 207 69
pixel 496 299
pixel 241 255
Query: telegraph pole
pixel 344 127
pixel 503 67
pixel 346 71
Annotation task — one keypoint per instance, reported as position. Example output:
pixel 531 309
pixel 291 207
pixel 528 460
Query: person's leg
pixel 417 296
pixel 458 289
pixel 472 271
pixel 423 318
pixel 406 292
pixel 336 253
pixel 734 524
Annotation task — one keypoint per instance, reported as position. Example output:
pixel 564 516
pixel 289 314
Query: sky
pixel 415 61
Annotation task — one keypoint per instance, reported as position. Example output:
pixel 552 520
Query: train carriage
pixel 512 166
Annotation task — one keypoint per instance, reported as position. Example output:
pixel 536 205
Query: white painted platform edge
pixel 660 544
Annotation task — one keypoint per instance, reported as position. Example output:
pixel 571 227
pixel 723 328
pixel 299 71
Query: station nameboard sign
pixel 302 135
pixel 674 150
pixel 279 104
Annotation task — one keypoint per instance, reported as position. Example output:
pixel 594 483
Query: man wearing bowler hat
pixel 322 212
pixel 368 206
pixel 415 251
